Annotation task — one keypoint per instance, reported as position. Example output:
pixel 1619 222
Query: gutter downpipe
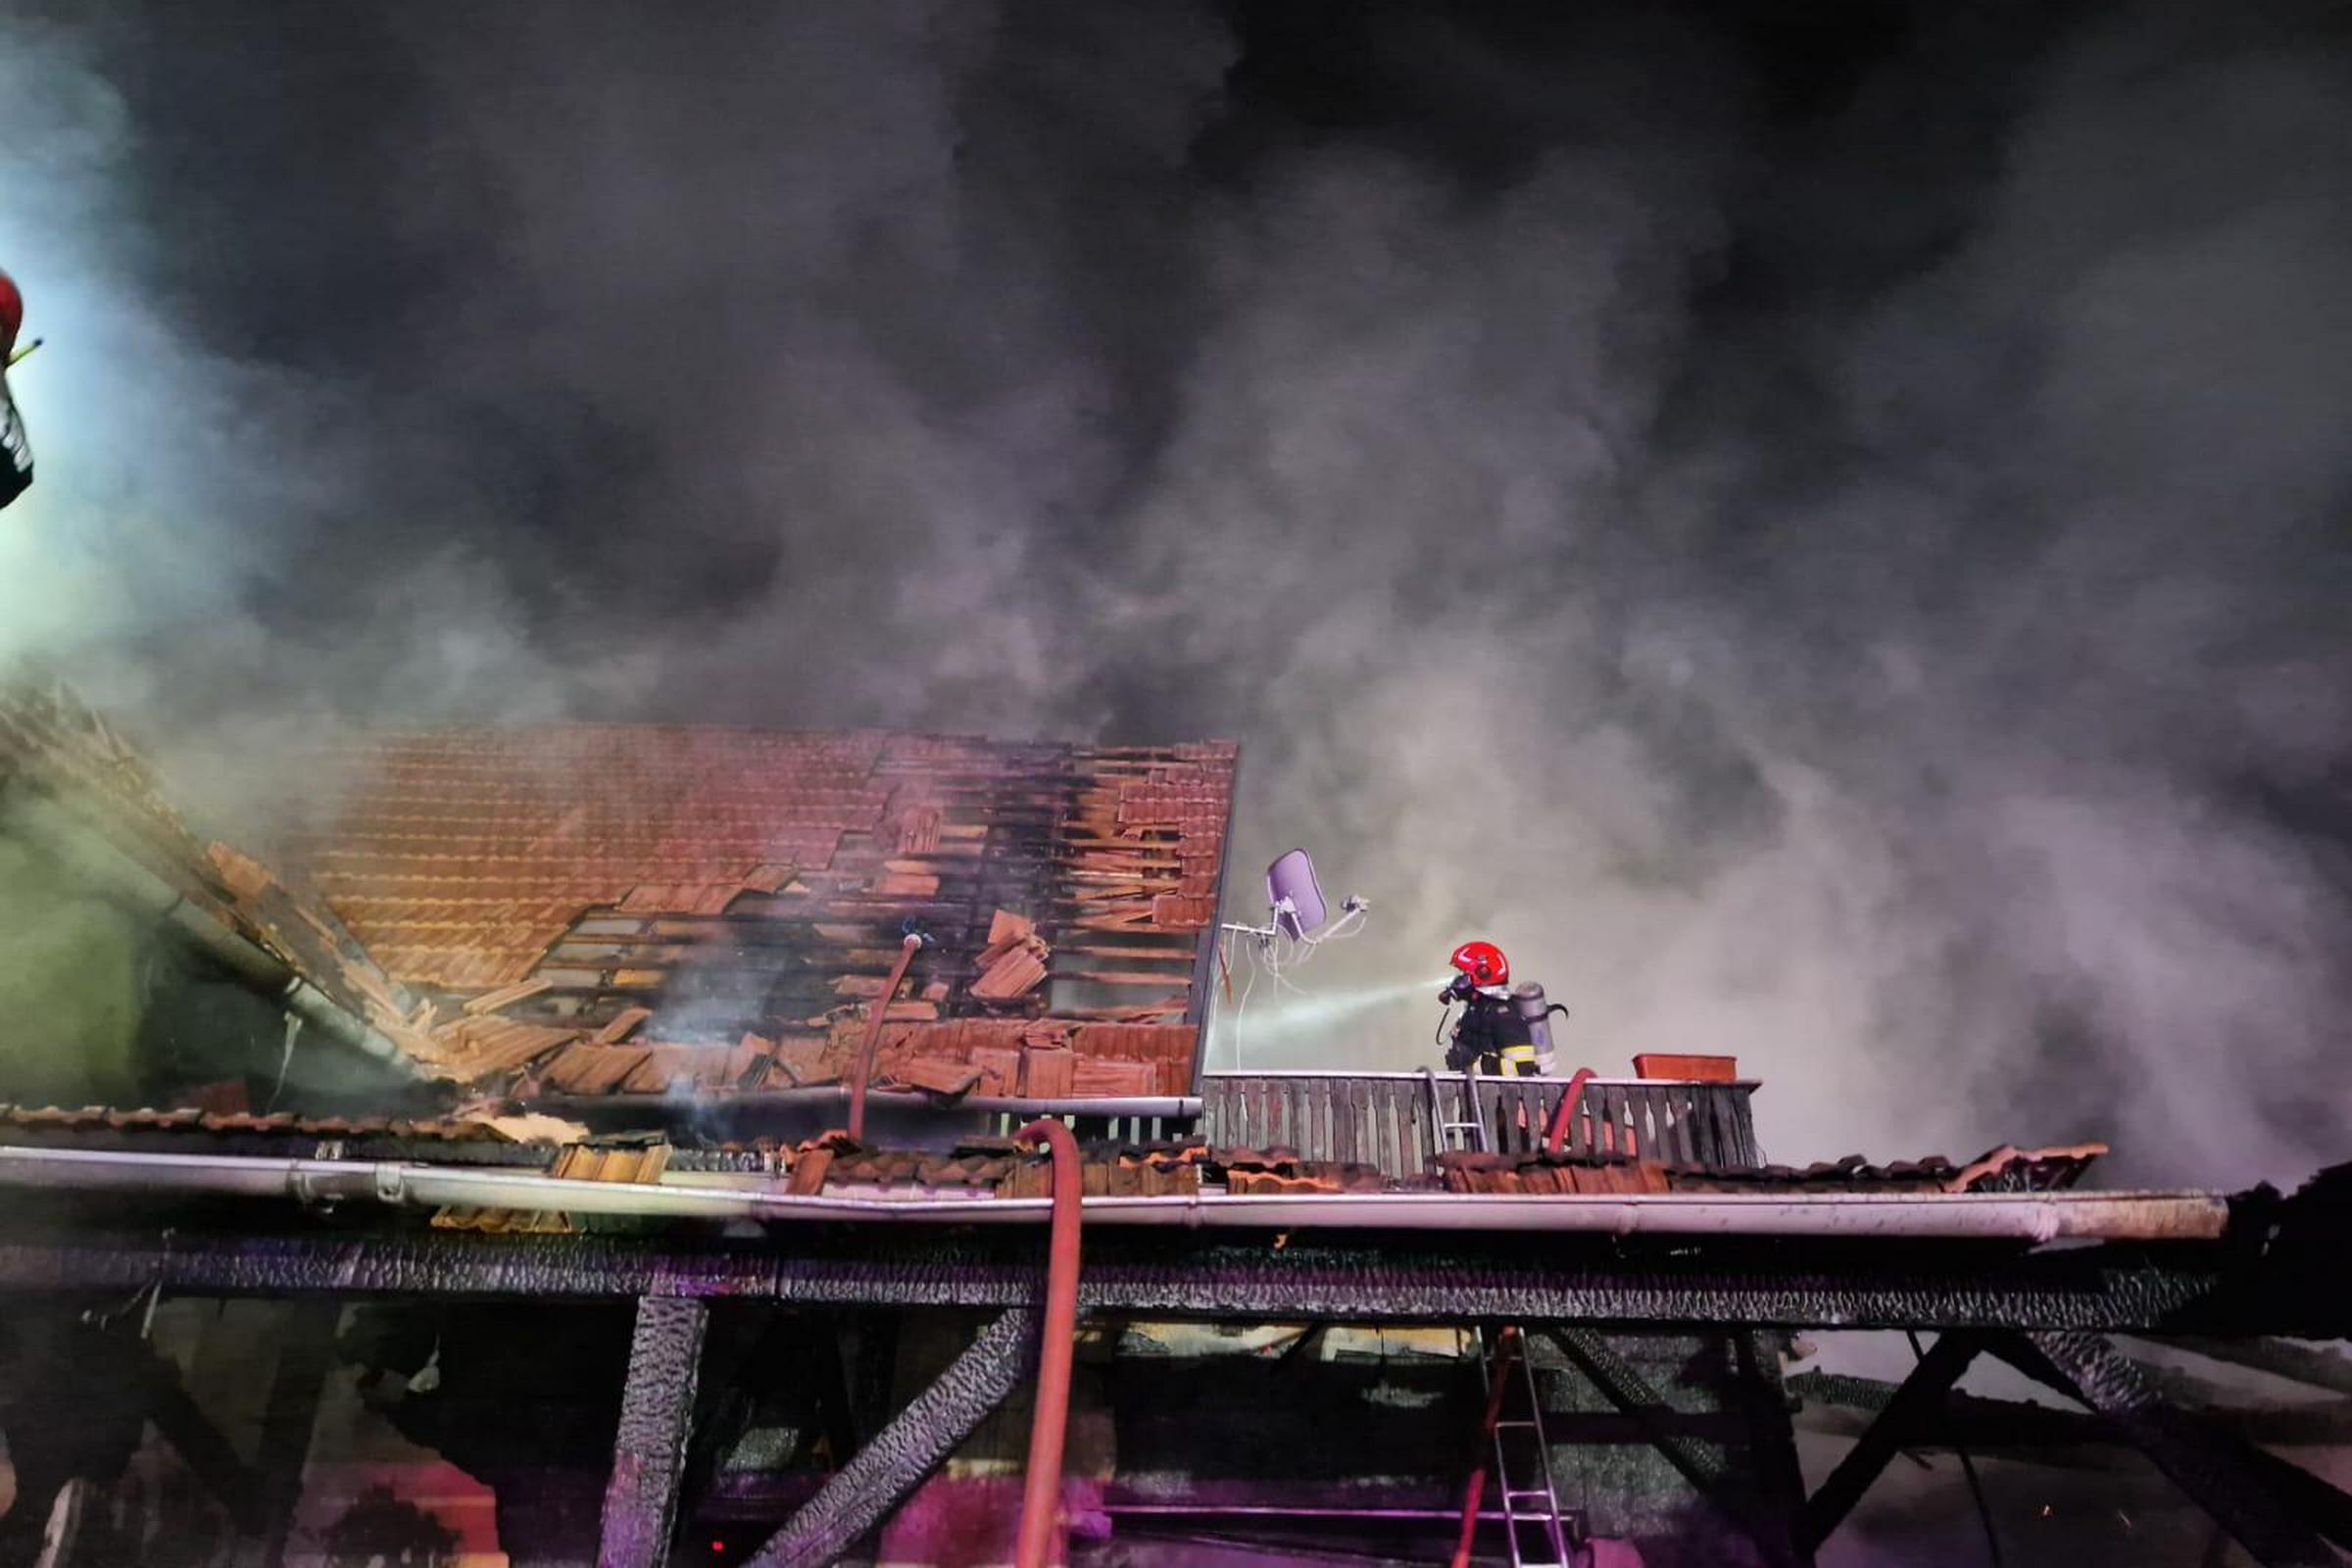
pixel 2010 1217
pixel 875 1015
pixel 1049 1419
pixel 121 878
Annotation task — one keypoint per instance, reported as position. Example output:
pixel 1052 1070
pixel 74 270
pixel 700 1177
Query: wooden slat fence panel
pixel 1387 1120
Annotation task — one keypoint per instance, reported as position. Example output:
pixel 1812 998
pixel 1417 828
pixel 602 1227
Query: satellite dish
pixel 1296 897
pixel 1297 913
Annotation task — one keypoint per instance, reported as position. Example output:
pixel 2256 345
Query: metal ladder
pixel 1503 1357
pixel 1528 1511
pixel 1445 1130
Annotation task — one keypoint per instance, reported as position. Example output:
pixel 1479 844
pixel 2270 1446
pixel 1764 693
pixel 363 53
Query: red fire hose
pixel 863 1067
pixel 1050 1423
pixel 1566 1109
pixel 1474 1496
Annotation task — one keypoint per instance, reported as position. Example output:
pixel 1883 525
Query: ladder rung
pixel 1536 1492
pixel 1514 1425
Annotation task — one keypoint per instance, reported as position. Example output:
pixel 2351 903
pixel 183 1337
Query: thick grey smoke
pixel 1859 588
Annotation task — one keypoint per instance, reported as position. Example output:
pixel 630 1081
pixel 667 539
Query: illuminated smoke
pixel 1860 590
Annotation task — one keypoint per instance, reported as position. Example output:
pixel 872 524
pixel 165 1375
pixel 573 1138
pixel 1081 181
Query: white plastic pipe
pixel 2015 1216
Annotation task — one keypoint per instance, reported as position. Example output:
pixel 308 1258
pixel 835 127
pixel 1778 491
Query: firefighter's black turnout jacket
pixel 1489 1022
pixel 16 449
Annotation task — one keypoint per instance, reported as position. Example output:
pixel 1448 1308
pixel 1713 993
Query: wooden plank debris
pixel 507 996
pixel 625 1023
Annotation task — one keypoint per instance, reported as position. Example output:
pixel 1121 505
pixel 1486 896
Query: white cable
pixel 1347 925
pixel 1280 969
pixel 1243 1005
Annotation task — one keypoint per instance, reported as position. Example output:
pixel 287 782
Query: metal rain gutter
pixel 2038 1217
pixel 122 878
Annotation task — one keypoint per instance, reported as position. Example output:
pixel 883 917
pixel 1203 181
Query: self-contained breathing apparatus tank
pixel 1536 1009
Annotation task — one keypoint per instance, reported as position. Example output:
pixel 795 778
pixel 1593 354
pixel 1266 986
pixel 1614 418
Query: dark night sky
pixel 1819 526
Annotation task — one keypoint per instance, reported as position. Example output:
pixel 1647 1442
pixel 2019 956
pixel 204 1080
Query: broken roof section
pixel 70 782
pixel 600 909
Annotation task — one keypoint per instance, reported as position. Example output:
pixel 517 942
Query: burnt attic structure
pixel 633 1146
pixel 627 922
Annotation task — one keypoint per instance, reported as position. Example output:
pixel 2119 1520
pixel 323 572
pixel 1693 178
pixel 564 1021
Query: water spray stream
pixel 1300 1017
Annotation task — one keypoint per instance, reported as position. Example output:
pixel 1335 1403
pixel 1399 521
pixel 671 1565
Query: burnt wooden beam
pixel 1429 1278
pixel 2298 1363
pixel 1627 1389
pixel 827 1352
pixel 1972 1421
pixel 1707 1467
pixel 1921 1395
pixel 1773 1438
pixel 305 1352
pixel 2279 1520
pixel 657 1418
pixel 203 1447
pixel 883 1473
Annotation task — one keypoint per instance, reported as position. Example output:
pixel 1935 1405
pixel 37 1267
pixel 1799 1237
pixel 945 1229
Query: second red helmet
pixel 12 314
pixel 1483 962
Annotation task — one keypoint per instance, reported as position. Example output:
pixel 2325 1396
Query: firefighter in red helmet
pixel 1494 1031
pixel 15 451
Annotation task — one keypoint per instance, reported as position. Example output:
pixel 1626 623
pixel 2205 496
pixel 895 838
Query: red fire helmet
pixel 12 314
pixel 1483 962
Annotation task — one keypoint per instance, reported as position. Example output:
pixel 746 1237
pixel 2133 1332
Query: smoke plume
pixel 1827 549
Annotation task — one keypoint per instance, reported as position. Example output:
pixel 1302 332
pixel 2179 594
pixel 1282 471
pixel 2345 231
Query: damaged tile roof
pixel 977 1167
pixel 2005 1170
pixel 54 747
pixel 599 910
pixel 640 909
pixel 96 1119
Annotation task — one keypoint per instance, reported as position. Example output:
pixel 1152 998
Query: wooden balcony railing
pixel 1392 1120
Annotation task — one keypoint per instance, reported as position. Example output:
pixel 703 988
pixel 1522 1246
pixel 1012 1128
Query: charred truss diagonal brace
pixel 895 1461
pixel 1921 1392
pixel 1629 1391
pixel 2243 1489
pixel 656 1413
pixel 2278 1512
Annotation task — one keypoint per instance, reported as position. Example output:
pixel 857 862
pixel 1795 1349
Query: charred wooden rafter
pixel 887 1469
pixel 1921 1395
pixel 1841 1404
pixel 1706 1467
pixel 649 1452
pixel 2282 1515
